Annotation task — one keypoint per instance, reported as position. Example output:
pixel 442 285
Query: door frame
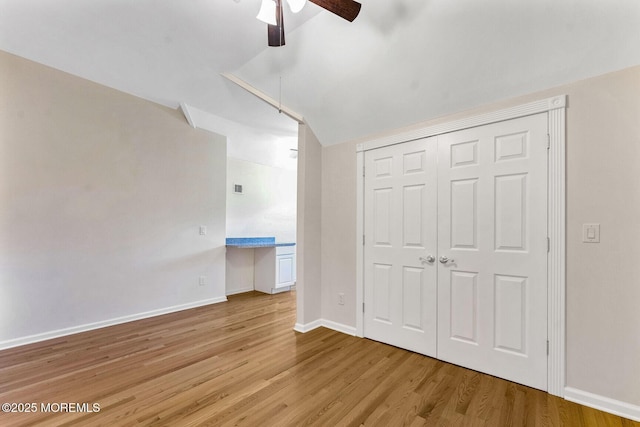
pixel 555 108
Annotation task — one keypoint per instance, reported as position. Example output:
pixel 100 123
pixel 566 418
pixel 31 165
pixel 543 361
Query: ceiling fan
pixel 271 13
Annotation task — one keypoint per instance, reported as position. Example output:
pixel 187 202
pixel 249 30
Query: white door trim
pixel 556 109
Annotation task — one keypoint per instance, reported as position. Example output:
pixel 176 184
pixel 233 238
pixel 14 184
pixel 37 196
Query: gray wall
pixel 309 228
pixel 101 197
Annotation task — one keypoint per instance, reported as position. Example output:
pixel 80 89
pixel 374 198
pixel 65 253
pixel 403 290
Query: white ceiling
pixel 400 62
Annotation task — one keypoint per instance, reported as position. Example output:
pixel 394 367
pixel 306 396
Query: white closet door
pixel 492 226
pixel 400 229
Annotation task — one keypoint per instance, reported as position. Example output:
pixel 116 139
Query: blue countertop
pixel 255 242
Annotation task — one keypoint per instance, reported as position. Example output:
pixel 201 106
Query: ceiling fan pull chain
pixel 280 97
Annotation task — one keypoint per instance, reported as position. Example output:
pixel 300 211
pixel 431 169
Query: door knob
pixel 444 259
pixel 429 259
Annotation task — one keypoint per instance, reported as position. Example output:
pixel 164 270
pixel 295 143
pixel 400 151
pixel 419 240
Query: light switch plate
pixel 591 233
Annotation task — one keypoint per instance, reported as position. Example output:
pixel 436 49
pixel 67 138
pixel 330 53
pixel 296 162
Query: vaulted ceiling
pixel 400 62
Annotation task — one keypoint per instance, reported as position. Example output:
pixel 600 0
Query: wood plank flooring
pixel 241 363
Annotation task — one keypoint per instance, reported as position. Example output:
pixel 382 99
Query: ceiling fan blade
pixel 347 9
pixel 275 33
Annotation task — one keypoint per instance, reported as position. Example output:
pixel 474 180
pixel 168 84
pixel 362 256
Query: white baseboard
pixel 349 330
pixel 16 342
pixel 240 291
pixel 299 327
pixel 339 327
pixel 616 407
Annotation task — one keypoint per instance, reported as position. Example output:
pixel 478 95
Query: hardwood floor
pixel 240 363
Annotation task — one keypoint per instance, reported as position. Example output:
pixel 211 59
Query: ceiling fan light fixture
pixel 296 5
pixel 267 13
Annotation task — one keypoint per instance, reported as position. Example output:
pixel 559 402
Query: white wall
pixel 240 270
pixel 267 206
pixel 603 280
pixel 268 146
pixel 101 197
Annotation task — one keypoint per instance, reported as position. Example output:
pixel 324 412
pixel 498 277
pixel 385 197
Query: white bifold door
pixel 456 248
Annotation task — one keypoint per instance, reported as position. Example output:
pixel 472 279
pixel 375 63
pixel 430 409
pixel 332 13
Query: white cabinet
pixel 275 269
pixel 285 267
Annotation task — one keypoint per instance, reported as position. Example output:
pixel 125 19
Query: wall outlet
pixel 341 298
pixel 203 230
pixel 202 280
